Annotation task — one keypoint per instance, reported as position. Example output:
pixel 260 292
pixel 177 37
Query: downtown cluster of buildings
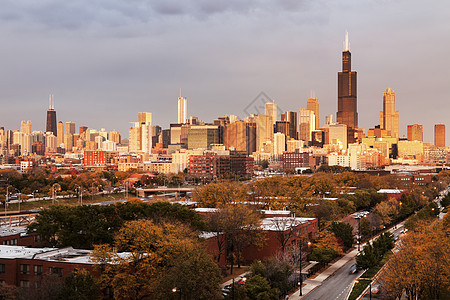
pixel 228 145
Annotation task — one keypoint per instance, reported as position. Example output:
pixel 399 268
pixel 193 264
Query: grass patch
pixel 358 288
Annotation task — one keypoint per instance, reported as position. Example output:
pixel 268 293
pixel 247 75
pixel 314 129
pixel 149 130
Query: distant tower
pixel 415 132
pixel 182 109
pixel 439 135
pixel 313 105
pixel 389 116
pixel 51 117
pixel 347 105
pixel 271 110
pixel 60 134
pixel 306 124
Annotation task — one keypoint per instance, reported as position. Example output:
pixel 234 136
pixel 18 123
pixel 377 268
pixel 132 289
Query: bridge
pixel 144 193
pixel 18 219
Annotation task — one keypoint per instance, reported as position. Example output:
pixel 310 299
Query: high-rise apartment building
pixel 291 117
pixel 51 117
pixel 271 110
pixel 347 105
pixel 241 136
pixel 439 135
pixel 60 133
pixel 70 128
pixel 26 127
pixel 182 110
pixel 115 137
pixel 264 130
pixel 389 116
pixel 415 132
pixel 203 136
pixel 306 124
pixel 313 105
pixel 329 120
pixel 279 143
pixel 140 134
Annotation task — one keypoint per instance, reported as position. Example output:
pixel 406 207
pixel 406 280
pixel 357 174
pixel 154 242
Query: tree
pixel 257 287
pixel 79 285
pixel 367 259
pixel 155 254
pixel 194 274
pixel 344 232
pixel 323 255
pixel 85 226
pixel 421 267
pixel 220 194
pixel 241 227
pixel 276 273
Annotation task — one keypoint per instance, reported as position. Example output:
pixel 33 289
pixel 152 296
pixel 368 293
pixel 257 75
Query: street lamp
pixel 300 262
pixel 175 290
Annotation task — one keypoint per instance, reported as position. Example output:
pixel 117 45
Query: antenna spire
pixel 180 92
pixel 346 43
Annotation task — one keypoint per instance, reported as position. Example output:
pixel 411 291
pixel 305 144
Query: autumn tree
pixel 240 226
pixel 421 268
pixel 155 253
pixel 220 194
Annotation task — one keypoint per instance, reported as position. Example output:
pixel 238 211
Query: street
pixel 336 286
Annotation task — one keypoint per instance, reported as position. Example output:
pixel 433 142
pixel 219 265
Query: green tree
pixel 193 274
pixel 257 287
pixel 368 259
pixel 344 232
pixel 79 285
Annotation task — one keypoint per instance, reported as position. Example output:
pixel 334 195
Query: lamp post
pixel 175 290
pixel 357 236
pixel 300 263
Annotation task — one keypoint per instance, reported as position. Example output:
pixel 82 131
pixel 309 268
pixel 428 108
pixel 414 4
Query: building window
pixel 2 268
pixel 37 238
pixel 24 283
pixel 14 242
pixel 24 269
pixel 57 271
pixel 37 269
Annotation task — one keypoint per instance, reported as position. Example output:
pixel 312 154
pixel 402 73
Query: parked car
pixel 375 288
pixel 353 269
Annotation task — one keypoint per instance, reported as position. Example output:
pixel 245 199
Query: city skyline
pixel 105 89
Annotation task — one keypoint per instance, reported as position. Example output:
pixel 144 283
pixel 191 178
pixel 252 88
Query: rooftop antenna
pixel 50 101
pixel 346 43
pixel 180 92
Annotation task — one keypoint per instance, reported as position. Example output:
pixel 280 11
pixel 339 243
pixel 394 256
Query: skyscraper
pixel 271 110
pixel 415 132
pixel 60 134
pixel 291 117
pixel 182 110
pixel 439 135
pixel 347 106
pixel 26 127
pixel 389 116
pixel 313 105
pixel 306 124
pixel 51 117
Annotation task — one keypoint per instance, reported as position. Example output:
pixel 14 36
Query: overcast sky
pixel 107 60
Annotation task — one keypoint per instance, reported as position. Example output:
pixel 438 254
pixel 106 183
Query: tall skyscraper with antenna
pixel 51 116
pixel 347 105
pixel 182 109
